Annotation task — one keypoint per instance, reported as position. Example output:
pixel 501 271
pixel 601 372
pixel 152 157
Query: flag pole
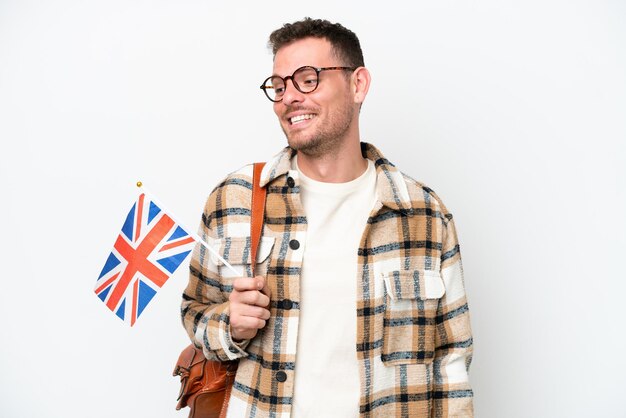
pixel 196 236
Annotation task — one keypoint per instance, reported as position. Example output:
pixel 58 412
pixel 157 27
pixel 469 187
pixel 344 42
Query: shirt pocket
pixel 411 300
pixel 236 251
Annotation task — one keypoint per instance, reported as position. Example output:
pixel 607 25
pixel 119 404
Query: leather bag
pixel 205 385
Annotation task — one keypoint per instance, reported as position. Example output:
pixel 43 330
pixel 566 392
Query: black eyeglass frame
pixel 318 70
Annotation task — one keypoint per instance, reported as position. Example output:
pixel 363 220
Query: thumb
pixel 263 286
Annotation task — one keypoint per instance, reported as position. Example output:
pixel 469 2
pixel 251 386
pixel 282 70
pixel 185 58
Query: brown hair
pixel 345 42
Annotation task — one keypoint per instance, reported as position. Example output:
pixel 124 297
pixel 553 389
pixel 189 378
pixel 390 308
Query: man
pixel 358 308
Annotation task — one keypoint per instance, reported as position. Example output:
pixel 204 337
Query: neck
pixel 340 166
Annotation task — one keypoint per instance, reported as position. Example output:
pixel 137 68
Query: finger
pixel 242 284
pixel 250 297
pixel 243 324
pixel 253 311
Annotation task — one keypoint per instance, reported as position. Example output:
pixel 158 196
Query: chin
pixel 313 147
pixel 301 142
pixel 297 141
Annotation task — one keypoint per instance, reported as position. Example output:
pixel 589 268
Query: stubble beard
pixel 328 139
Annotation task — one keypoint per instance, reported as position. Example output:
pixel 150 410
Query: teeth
pixel 300 118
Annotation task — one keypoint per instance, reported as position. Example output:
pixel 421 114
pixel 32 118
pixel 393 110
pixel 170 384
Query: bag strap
pixel 257 213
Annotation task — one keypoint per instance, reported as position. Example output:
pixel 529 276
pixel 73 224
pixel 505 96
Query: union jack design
pixel 146 253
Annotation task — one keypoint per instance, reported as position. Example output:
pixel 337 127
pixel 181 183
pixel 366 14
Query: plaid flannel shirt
pixel 414 342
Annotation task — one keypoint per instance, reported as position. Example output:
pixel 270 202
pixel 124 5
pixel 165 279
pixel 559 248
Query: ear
pixel 360 84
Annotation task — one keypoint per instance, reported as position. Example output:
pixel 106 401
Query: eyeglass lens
pixel 305 79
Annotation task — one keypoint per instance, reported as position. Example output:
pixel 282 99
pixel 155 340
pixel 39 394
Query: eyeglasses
pixel 305 80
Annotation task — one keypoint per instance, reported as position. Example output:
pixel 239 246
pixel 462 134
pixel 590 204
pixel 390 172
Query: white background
pixel 514 113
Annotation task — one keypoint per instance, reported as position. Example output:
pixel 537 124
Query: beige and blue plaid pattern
pixel 414 341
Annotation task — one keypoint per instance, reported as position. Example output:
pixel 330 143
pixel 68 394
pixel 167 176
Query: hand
pixel 249 301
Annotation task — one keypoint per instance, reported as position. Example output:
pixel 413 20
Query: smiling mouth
pixel 300 118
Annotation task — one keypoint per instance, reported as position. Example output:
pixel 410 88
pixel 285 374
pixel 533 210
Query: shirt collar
pixel 391 187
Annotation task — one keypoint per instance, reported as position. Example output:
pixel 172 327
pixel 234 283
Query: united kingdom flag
pixel 147 251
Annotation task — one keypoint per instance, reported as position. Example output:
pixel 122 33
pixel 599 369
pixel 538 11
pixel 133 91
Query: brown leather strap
pixel 257 213
pixel 230 380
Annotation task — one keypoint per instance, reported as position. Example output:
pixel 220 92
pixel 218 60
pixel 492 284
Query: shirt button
pixel 233 350
pixel 294 244
pixel 281 376
pixel 291 182
pixel 286 304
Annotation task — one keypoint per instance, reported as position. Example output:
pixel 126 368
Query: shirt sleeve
pixel 205 306
pixel 452 394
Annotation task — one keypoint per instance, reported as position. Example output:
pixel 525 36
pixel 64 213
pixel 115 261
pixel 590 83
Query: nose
pixel 292 94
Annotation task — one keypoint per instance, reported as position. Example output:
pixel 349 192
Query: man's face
pixel 323 118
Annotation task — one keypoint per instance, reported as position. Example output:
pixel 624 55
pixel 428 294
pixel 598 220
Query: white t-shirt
pixel 327 382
